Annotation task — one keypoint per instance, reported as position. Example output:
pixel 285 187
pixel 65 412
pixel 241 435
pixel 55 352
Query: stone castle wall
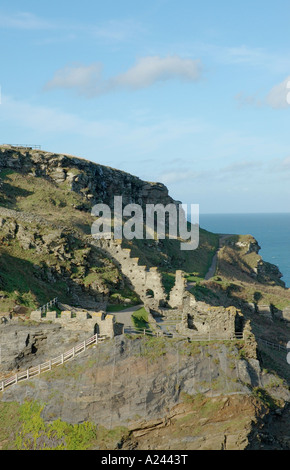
pixel 143 280
pixel 94 322
pixel 177 293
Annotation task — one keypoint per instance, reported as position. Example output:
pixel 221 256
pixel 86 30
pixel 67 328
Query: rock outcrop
pixel 97 183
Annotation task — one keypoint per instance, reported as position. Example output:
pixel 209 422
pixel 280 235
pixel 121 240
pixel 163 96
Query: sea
pixel 272 232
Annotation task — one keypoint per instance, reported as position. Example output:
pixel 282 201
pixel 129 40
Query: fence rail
pixel 138 331
pixel 48 365
pixel 45 307
pixel 208 337
pixel 277 346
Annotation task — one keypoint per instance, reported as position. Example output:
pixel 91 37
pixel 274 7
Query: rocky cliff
pixel 97 183
pixel 151 387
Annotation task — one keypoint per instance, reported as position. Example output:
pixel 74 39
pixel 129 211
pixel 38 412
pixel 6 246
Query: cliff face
pixel 97 183
pixel 128 380
pixel 163 395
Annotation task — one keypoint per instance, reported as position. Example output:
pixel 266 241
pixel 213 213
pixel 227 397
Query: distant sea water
pixel 272 232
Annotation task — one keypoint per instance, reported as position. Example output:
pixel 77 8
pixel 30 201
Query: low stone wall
pixel 94 322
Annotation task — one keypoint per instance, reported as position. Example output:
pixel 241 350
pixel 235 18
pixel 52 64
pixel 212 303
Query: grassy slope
pixel 167 255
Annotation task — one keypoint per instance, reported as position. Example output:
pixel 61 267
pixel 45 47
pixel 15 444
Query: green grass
pixel 23 428
pixel 168 256
pixel 153 348
pixel 20 283
pixel 193 277
pixel 202 292
pixel 140 318
pixel 168 281
pixel 41 196
pixel 5 172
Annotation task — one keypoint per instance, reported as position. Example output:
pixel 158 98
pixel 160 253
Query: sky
pixel 190 94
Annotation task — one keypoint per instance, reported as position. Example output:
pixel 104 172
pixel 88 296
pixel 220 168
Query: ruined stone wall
pixel 177 293
pixel 92 322
pixel 141 278
pixel 200 318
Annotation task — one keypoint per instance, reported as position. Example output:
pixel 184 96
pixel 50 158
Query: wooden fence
pixel 205 337
pixel 48 365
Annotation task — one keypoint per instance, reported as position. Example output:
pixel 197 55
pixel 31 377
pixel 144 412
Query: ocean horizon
pixel 271 230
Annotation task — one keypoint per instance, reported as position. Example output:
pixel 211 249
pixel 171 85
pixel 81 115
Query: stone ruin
pixel 146 282
pixel 270 312
pixel 201 319
pixel 93 322
pixel 198 318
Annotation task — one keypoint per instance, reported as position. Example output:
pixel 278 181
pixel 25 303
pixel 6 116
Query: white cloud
pixel 87 80
pixel 248 100
pixel 277 97
pixel 149 70
pixel 83 78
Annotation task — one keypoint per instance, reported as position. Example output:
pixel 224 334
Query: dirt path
pixel 125 316
pixel 212 269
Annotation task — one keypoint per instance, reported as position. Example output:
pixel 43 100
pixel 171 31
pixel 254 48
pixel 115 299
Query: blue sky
pixel 191 94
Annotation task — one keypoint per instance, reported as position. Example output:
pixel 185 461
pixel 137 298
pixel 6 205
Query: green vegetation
pixel 153 348
pixel 20 282
pixel 39 195
pixel 193 277
pixel 23 428
pixel 262 395
pixel 203 293
pixel 140 318
pixel 166 254
pixel 205 406
pixel 168 281
pixel 116 308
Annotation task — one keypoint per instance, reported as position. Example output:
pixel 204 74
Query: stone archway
pixel 150 293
